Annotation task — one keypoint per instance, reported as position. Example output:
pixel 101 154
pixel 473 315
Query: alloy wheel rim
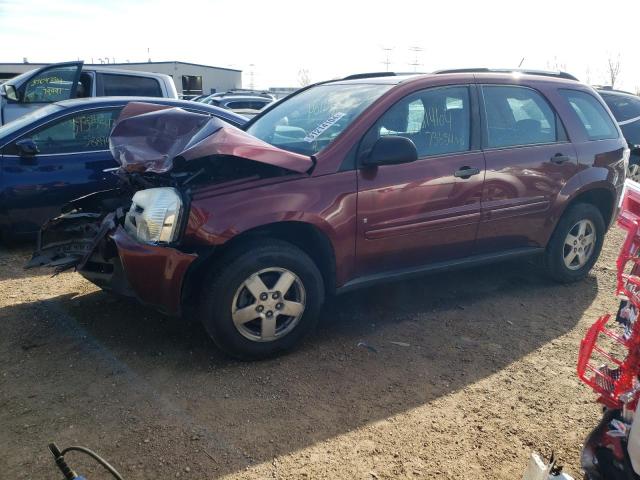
pixel 268 304
pixel 579 244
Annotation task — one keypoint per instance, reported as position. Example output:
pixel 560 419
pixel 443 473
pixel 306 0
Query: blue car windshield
pixel 309 121
pixel 27 119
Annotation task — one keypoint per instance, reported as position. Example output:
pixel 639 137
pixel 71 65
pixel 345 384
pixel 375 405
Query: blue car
pixel 60 152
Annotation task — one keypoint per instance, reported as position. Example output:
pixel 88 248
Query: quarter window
pixel 437 121
pixel 594 118
pixel 81 132
pixel 517 116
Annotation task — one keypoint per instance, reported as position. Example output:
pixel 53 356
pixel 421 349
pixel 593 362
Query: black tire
pixel 227 277
pixel 554 255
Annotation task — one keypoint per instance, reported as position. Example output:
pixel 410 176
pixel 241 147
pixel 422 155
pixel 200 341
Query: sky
pixel 278 39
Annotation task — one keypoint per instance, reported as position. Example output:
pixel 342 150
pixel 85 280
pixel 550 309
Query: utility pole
pixel 416 52
pixel 387 58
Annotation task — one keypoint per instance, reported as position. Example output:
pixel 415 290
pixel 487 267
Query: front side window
pixel 517 116
pixel 130 85
pixel 436 120
pixel 80 132
pixel 597 123
pixel 51 85
pixel 309 121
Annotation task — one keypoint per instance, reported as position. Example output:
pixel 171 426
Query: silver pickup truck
pixel 62 81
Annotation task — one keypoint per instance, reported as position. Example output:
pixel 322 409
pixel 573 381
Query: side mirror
pixel 27 148
pixel 390 150
pixel 10 92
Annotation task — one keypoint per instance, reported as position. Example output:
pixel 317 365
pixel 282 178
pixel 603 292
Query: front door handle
pixel 559 158
pixel 466 172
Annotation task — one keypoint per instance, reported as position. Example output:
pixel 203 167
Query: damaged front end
pixel 128 240
pixel 94 236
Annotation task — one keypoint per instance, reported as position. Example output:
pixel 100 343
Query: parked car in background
pixel 625 107
pixel 63 81
pixel 243 92
pixel 60 152
pixel 198 98
pixel 247 105
pixel 342 185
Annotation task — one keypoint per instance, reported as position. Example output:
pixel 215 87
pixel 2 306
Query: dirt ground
pixel 461 376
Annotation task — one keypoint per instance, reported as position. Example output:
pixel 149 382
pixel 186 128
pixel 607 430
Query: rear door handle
pixel 466 172
pixel 559 158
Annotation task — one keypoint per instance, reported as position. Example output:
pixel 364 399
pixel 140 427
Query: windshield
pixel 309 121
pixel 25 120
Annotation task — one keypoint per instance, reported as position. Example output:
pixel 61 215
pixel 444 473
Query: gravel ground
pixel 459 375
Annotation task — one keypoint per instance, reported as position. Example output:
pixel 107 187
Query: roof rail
pixel 543 73
pixel 357 76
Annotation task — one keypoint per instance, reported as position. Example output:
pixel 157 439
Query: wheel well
pixel 305 236
pixel 602 199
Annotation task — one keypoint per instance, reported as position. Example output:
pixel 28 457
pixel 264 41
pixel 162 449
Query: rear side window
pixel 623 107
pixel 130 85
pixel 597 123
pixel 517 116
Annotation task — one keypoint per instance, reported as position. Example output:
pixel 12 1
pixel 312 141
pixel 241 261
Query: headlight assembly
pixel 154 215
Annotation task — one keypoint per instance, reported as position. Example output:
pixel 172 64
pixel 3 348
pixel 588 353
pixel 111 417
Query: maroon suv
pixel 341 185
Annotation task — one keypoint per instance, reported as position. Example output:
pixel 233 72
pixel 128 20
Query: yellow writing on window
pixel 85 123
pixel 51 91
pixel 45 80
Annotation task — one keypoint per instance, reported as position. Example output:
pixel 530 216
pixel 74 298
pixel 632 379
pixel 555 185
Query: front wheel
pixel 575 244
pixel 261 300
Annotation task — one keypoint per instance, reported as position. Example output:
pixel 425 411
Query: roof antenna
pixel 521 62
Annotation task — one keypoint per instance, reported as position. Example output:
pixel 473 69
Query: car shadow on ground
pixel 377 353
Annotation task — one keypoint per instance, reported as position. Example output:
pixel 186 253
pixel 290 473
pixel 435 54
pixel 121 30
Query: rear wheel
pixel 575 244
pixel 261 300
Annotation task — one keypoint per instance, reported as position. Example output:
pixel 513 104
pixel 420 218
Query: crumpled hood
pixel 148 138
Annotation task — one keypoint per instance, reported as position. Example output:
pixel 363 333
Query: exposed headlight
pixel 154 215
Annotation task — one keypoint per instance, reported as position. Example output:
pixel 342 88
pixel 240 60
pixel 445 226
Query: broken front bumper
pixel 105 254
pixel 154 274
